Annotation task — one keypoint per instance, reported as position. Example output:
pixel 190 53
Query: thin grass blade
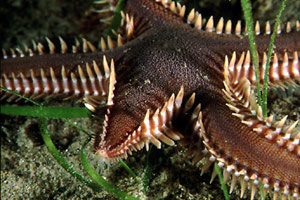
pixel 223 185
pixel 48 112
pixel 100 180
pixel 247 9
pixel 127 168
pixel 270 50
pixel 61 160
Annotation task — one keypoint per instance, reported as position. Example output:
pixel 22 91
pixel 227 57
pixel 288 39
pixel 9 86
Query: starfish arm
pixel 284 42
pixel 127 129
pixel 225 44
pixel 224 38
pixel 245 153
pixel 280 71
pixel 57 75
pixel 259 133
pixel 242 101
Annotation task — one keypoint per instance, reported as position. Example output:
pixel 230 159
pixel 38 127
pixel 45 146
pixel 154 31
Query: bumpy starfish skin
pixel 166 83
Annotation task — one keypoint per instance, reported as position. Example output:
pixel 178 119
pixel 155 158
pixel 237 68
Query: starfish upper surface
pixel 168 77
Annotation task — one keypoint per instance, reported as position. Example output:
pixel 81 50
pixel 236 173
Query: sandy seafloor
pixel 28 171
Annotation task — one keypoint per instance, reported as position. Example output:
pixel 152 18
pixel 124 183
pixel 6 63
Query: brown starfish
pixel 168 78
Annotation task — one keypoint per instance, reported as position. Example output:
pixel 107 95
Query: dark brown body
pixel 167 55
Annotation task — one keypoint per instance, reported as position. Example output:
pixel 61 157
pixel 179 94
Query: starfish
pixel 169 78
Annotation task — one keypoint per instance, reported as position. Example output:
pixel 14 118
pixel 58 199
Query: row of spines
pixel 196 20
